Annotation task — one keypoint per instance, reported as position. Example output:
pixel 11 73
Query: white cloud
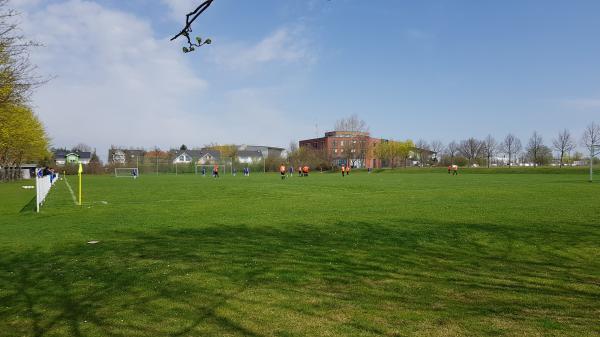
pixel 286 44
pixel 179 8
pixel 115 82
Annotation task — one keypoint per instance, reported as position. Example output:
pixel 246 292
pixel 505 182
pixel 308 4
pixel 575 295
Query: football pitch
pixel 382 254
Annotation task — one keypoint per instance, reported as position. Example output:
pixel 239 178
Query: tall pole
pixel 591 161
pixel 79 172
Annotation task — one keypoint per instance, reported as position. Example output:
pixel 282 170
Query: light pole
pixel 593 153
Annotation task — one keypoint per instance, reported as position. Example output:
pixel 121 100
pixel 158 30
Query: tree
pixel 591 140
pixel 17 73
pixel 534 148
pixel 82 147
pixel 438 147
pixel 511 146
pixel 183 147
pixel 355 148
pixel 489 148
pixel 351 124
pixel 563 144
pixel 187 29
pixel 393 151
pixel 22 138
pixel 421 149
pixel 471 149
pixel 452 151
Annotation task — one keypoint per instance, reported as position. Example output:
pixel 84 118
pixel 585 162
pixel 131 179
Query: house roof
pixel 62 154
pixel 246 153
pixel 196 154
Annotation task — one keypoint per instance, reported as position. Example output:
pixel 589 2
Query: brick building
pixel 355 149
pixel 346 148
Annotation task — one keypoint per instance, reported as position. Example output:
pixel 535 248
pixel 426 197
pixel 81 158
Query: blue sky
pixel 443 70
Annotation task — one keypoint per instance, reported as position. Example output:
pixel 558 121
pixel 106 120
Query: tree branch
pixel 185 32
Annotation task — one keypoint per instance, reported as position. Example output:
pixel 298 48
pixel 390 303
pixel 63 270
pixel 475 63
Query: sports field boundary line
pixel 71 191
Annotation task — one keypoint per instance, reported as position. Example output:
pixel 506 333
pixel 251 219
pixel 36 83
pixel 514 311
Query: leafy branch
pixel 185 32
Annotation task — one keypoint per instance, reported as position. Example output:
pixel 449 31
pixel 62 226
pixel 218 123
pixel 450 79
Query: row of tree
pixel 22 135
pixel 473 151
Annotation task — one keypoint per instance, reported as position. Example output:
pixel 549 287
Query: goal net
pixel 207 170
pixel 127 172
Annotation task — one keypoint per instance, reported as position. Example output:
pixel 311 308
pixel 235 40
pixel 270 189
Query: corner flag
pixel 79 172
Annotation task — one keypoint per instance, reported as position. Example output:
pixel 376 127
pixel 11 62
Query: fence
pixel 43 184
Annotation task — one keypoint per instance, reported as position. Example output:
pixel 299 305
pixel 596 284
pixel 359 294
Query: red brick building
pixel 346 148
pixel 356 149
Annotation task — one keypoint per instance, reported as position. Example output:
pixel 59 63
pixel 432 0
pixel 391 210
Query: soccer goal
pixel 207 169
pixel 127 172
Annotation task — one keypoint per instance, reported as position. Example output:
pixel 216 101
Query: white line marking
pixel 71 190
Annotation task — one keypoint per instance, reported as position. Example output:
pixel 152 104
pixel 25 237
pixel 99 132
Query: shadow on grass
pixel 29 207
pixel 343 279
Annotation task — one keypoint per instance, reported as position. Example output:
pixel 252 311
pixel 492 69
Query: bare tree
pixel 422 149
pixel 452 151
pixel 470 149
pixel 511 146
pixel 489 148
pixel 355 147
pixel 82 147
pixel 534 147
pixel 351 124
pixel 17 73
pixel 591 140
pixel 437 146
pixel 563 144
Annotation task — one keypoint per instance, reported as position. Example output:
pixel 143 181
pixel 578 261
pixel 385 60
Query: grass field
pixel 385 254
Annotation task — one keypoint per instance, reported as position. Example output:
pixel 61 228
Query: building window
pixel 342 143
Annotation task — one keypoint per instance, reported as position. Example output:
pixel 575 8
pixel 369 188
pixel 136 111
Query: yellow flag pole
pixel 79 173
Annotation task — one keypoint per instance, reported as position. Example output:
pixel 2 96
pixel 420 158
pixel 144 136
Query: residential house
pixel 63 157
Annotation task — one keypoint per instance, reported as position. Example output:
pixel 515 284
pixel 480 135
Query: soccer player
pixel 449 169
pixel 282 171
pixel 203 171
pixel 348 170
pixel 291 171
pixel 343 170
pixel 134 174
pixel 454 170
pixel 216 171
pixel 305 171
pixel 299 171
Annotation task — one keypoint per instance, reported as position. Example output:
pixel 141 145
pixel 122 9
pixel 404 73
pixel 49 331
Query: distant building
pixel 249 157
pixel 63 157
pixel 123 156
pixel 355 149
pixel 201 157
pixel 266 151
pixel 346 148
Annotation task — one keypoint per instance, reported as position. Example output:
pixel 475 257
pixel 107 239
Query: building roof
pixel 196 154
pixel 62 154
pixel 247 153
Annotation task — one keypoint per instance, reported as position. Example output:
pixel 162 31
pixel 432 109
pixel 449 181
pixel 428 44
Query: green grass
pixel 389 254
